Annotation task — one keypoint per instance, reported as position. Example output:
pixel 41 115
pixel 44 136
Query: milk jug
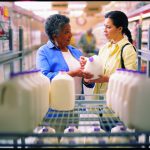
pixel 43 83
pixel 129 76
pixel 62 92
pixel 136 98
pixel 96 139
pixel 137 103
pixel 94 65
pixel 48 139
pixel 121 139
pixel 17 105
pixel 73 139
pixel 116 92
pixel 86 125
pixel 112 85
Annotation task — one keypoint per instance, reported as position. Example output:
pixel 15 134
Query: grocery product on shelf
pixel 49 139
pixel 21 100
pixel 62 92
pixel 120 128
pixel 96 139
pixel 74 139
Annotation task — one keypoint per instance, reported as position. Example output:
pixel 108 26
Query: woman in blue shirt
pixel 57 55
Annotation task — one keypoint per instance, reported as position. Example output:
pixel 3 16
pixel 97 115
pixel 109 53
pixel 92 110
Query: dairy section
pixel 74 74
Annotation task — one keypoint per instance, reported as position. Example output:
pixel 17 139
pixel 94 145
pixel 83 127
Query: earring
pixel 56 43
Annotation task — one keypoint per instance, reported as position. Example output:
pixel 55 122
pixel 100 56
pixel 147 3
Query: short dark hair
pixel 120 19
pixel 54 24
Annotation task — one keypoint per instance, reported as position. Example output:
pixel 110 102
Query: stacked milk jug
pixel 23 101
pixel 128 96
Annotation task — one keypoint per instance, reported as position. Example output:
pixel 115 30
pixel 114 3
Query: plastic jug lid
pixel 102 141
pixel 72 142
pixel 96 129
pixel 119 124
pixel 91 59
pixel 122 128
pixel 45 130
pixel 40 141
pixel 71 129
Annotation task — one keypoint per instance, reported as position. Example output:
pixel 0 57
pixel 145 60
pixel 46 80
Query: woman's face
pixel 64 37
pixel 110 30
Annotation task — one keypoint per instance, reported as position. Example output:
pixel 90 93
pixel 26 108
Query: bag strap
pixel 122 61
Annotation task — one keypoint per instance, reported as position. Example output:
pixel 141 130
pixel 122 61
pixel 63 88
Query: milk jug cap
pixel 71 129
pixel 123 128
pixel 91 59
pixel 45 130
pixel 72 142
pixel 96 129
pixel 119 124
pixel 40 141
pixel 102 141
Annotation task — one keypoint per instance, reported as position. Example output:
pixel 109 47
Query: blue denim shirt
pixel 50 61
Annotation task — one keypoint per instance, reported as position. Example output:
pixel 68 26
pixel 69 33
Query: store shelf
pixel 59 120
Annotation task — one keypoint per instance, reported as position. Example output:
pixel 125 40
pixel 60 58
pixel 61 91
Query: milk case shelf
pixel 87 110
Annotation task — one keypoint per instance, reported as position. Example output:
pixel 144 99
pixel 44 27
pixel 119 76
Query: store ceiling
pixel 70 8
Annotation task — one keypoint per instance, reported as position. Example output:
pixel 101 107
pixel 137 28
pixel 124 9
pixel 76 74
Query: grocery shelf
pixel 89 111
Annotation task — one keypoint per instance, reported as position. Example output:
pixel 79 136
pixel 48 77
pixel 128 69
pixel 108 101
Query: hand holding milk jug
pixel 94 65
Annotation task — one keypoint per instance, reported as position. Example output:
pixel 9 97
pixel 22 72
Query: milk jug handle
pixel 3 91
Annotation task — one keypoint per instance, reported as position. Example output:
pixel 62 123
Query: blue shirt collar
pixel 50 44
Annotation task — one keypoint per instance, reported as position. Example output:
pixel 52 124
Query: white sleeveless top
pixel 73 64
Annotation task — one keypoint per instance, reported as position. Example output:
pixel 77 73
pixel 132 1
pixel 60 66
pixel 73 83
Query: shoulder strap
pixel 122 62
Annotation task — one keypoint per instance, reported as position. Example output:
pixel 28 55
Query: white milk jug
pixel 74 139
pixel 121 139
pixel 131 98
pixel 43 83
pixel 17 105
pixel 62 92
pixel 48 139
pixel 137 103
pixel 96 139
pixel 94 65
pixel 129 77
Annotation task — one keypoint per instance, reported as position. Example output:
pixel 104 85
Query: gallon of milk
pixel 73 139
pixel 62 92
pixel 17 112
pixel 94 65
pixel 137 103
pixel 86 125
pixel 117 89
pixel 43 83
pixel 120 128
pixel 46 139
pixel 128 77
pixel 112 85
pixel 96 139
pixel 137 98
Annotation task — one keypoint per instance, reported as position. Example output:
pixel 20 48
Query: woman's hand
pixel 83 61
pixel 87 75
pixel 101 79
pixel 76 73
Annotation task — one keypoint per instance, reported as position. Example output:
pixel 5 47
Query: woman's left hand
pixel 87 75
pixel 101 79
